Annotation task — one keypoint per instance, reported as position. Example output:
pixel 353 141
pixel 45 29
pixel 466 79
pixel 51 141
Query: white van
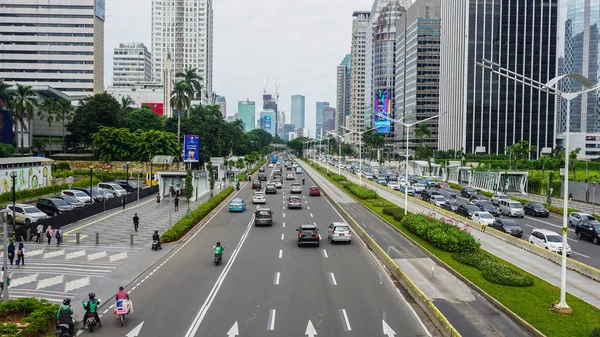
pixel 511 208
pixel 116 189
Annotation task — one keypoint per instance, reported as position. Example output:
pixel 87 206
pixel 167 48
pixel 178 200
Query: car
pixel 508 226
pixel 114 188
pixel 289 176
pixel 308 234
pixel 394 185
pixel 497 197
pixel 575 217
pixel 298 170
pixel 314 191
pixel 24 214
pixel 128 185
pixel 261 169
pixel 409 189
pixel 441 184
pixel 99 194
pixel 437 200
pixel 270 165
pixel 536 209
pixel 467 210
pixel 479 197
pixel 588 229
pixel 511 208
pixel 53 206
pixel 419 187
pixel 289 168
pixel 263 217
pixel 277 183
pixel 382 181
pixel 548 240
pixel 427 193
pixel 277 171
pixel 259 198
pixel 71 201
pixel 296 188
pixel 270 188
pixel 448 191
pixel 451 205
pixel 256 185
pixel 429 182
pixel 79 195
pixel 294 201
pixel 486 206
pixel 237 205
pixel 339 232
pixel 466 192
pixel 262 177
pixel 483 218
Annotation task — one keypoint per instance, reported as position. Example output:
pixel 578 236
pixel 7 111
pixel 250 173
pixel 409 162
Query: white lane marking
pixel 325 254
pixel 308 207
pixel 105 311
pixel 534 227
pixel 332 279
pixel 548 223
pixel 271 325
pixel 213 293
pixel 283 196
pixel 345 321
pixel 282 207
pixel 280 253
pixel 283 224
pixel 381 278
pixel 311 215
pixel 284 215
pixel 282 235
pixel 277 276
pixel 580 254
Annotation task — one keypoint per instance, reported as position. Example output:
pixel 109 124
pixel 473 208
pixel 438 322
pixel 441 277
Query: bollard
pixel 77 238
pixel 131 239
pixel 28 235
pixel 97 238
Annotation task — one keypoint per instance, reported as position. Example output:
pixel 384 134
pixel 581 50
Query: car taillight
pixel 316 234
pixel 332 232
pixel 349 232
pixel 300 235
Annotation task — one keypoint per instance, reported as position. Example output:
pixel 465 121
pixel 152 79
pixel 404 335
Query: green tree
pixel 193 80
pixel 422 131
pixel 24 101
pixel 154 142
pixel 6 150
pixel 240 163
pixel 144 119
pixel 373 140
pixel 47 112
pixel 573 161
pixel 64 113
pixel 544 161
pixel 211 177
pixel 111 143
pixel 6 97
pixel 297 144
pixel 100 110
pixel 127 104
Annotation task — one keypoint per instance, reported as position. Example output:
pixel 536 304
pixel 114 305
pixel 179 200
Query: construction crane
pixel 277 95
pixel 265 88
pixel 277 112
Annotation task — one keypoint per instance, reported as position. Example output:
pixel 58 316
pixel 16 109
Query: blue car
pixel 411 190
pixel 430 182
pixel 237 205
pixel 382 181
pixel 298 170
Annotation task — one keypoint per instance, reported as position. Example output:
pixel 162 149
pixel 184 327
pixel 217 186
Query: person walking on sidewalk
pixel 49 233
pixel 176 203
pixel 40 231
pixel 123 202
pixel 58 236
pixel 136 222
pixel 158 200
pixel 21 254
pixel 11 252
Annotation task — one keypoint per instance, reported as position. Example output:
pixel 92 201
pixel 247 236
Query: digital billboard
pixel 158 108
pixel 190 149
pixel 382 106
pixel 100 11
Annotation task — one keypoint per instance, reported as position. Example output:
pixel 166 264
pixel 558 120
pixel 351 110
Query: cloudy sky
pixel 296 44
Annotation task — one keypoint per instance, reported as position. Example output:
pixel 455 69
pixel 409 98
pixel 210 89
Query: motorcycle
pixel 218 258
pixel 90 322
pixel 156 245
pixel 62 330
pixel 237 187
pixel 122 308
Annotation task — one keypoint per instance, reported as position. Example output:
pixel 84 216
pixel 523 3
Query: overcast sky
pixel 296 44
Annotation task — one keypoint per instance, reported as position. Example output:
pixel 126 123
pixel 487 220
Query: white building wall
pixel 132 63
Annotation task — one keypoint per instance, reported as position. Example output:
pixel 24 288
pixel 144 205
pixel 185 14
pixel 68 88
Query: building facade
pixel 183 29
pixel 319 116
pixel 357 72
pixel 417 73
pixel 247 114
pixel 298 109
pixel 329 120
pixel 222 103
pixel 141 93
pixel 60 45
pixel 132 63
pixel 343 93
pixel 267 121
pixel 483 112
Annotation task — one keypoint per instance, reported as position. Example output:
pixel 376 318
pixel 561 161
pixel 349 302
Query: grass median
pixel 531 303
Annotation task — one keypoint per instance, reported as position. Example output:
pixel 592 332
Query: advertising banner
pixel 158 108
pixel 381 106
pixel 190 149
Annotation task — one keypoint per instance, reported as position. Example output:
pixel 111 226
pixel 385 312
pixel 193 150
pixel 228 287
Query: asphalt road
pixel 266 285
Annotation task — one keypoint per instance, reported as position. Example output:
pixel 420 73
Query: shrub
pixel 40 314
pixel 391 210
pixel 492 270
pixel 337 177
pixel 443 236
pixel 38 192
pixel 595 333
pixel 181 227
pixel 361 192
pixel 381 203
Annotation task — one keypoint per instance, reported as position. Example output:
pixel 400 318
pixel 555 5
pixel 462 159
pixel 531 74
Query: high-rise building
pixel 357 72
pixel 267 121
pixel 582 56
pixel 483 112
pixel 417 73
pixel 185 30
pixel 288 129
pixel 247 114
pixel 132 63
pixel 319 114
pixel 343 93
pixel 222 103
pixel 298 111
pixel 329 120
pixel 53 43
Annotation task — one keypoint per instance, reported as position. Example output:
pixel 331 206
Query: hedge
pixel 361 192
pixel 494 271
pixel 39 192
pixel 337 177
pixel 39 315
pixel 396 212
pixel 181 227
pixel 595 332
pixel 442 235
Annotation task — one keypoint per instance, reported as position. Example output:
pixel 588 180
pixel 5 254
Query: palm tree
pixel 126 105
pixel 64 113
pixel 422 131
pixel 193 80
pixel 48 111
pixel 181 101
pixel 24 105
pixel 6 97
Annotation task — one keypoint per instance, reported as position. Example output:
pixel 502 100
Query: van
pixel 511 208
pixel 116 189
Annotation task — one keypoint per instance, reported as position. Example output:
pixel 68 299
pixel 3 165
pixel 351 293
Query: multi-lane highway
pixel 267 285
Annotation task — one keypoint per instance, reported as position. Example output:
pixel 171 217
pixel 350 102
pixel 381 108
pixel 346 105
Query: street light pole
pixel 360 149
pixel 91 184
pixel 127 177
pixel 13 176
pixel 5 256
pixel 593 197
pixel 339 151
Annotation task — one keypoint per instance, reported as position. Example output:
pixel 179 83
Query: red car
pixel 441 185
pixel 314 190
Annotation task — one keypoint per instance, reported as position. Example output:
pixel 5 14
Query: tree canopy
pixel 144 119
pixel 93 112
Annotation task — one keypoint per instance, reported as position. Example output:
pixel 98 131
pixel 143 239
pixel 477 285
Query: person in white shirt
pixel 40 231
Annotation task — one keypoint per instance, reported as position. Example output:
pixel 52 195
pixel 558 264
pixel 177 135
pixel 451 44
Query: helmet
pixel 218 243
pixel 67 301
pixel 156 231
pixel 91 296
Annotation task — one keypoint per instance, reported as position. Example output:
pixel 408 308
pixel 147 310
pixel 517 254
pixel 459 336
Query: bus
pixel 274 159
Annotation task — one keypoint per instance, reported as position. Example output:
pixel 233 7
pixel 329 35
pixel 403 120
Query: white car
pixel 259 198
pixel 79 195
pixel 270 165
pixel 437 200
pixel 277 183
pixel 296 188
pixel 339 231
pixel 394 185
pixel 419 187
pixel 484 218
pixel 496 198
pixel 575 217
pixel 549 240
pixel 25 214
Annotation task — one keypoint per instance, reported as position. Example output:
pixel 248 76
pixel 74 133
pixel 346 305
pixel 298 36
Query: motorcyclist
pixel 219 249
pixel 65 315
pixel 122 294
pixel 237 186
pixel 302 181
pixel 156 238
pixel 91 307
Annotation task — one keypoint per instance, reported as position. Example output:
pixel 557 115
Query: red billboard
pixel 158 108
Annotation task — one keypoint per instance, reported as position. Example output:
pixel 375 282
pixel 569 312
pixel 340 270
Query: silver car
pixel 259 198
pixel 294 202
pixel 25 214
pixel 339 231
pixel 296 188
pixel 437 200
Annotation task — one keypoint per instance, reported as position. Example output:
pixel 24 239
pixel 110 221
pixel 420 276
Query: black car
pixel 261 169
pixel 467 210
pixel 588 229
pixel 129 186
pixel 450 192
pixel 508 226
pixel 270 188
pixel 478 197
pixel 263 217
pixel 467 192
pixel 256 185
pixel 53 206
pixel 486 206
pixel 262 177
pixel 536 209
pixel 426 194
pixel 72 201
pixel 451 205
pixel 308 234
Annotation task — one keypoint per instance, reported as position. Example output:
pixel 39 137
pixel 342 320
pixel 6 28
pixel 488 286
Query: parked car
pixel 98 194
pixel 467 210
pixel 429 182
pixel 418 187
pixel 76 203
pixel 24 214
pixel 548 240
pixel 536 209
pixel 407 189
pixel 466 192
pixel 339 232
pixel 259 198
pixel 263 217
pixel 483 218
pixel 116 189
pixel 575 217
pixel 588 229
pixel 79 195
pixel 508 226
pixel 487 207
pixel 294 201
pixel 308 234
pixel 497 197
pixel 437 200
pixel 314 191
pixel 237 205
pixel 128 185
pixel 256 185
pixel 511 208
pixel 53 206
pixel 449 191
pixel 270 188
pixel 296 188
pixel 451 205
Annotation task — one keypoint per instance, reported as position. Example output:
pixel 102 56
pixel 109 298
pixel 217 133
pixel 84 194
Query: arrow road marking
pixel 136 331
pixel 24 280
pixel 118 257
pixel 54 254
pixel 76 284
pixel 96 256
pixel 310 329
pixel 50 282
pixel 233 331
pixel 75 254
pixel 35 252
pixel 387 330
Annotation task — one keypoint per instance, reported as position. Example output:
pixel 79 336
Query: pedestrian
pixel 40 231
pixel 49 233
pixel 158 200
pixel 11 252
pixel 21 254
pixel 570 196
pixel 58 236
pixel 136 222
pixel 176 203
pixel 2 282
pixel 123 202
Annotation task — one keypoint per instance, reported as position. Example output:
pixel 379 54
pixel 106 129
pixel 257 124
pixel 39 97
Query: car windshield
pixel 270 185
pixel 263 214
pixel 515 205
pixel 59 202
pixel 472 208
pixel 510 223
pixel 118 187
pixel 70 200
pixel 80 194
pixel 485 216
pixel 588 217
pixel 554 238
pixel 31 210
pixel 537 206
pixel 294 199
pixel 236 202
pixel 503 197
pixel 487 206
pixel 469 189
pixel 341 228
pixel 597 227
pixel 439 197
pixel 259 194
pixel 296 185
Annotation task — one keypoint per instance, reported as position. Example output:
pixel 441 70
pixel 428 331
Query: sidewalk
pixel 557 202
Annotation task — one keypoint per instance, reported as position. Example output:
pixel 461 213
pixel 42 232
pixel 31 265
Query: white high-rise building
pixel 53 43
pixel 132 63
pixel 357 71
pixel 185 30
